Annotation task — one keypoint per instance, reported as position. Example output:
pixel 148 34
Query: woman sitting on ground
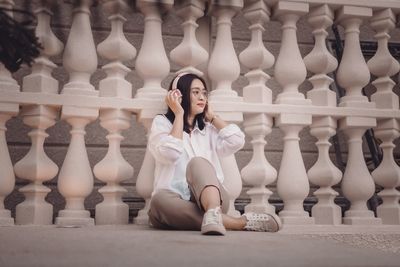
pixel 186 143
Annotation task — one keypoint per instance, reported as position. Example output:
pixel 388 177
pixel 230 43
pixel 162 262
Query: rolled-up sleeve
pixel 229 140
pixel 163 146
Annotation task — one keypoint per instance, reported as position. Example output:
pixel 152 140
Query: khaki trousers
pixel 169 211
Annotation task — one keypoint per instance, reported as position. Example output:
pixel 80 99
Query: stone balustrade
pixel 287 91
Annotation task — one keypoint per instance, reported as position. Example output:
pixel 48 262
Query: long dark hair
pixel 184 84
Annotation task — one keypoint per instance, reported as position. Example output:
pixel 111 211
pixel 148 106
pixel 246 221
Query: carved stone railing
pixel 40 106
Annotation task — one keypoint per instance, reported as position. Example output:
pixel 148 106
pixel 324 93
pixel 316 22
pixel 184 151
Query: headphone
pixel 175 82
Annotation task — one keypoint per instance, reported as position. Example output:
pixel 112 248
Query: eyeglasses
pixel 197 93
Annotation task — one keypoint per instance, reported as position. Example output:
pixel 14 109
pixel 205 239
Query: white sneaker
pixel 262 222
pixel 212 222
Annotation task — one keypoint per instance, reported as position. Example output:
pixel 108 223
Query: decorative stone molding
pixel 223 55
pixel 384 66
pixel 152 66
pixel 144 182
pixel 113 168
pixel 75 184
pixel 353 74
pixel 323 173
pixel 7 179
pixel 258 173
pixel 352 78
pixel 80 57
pixel 36 166
pixel 7 110
pixel 39 102
pixel 290 72
pixel 189 53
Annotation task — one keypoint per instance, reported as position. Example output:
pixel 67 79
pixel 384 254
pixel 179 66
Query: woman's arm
pixel 163 146
pixel 218 122
pixel 173 100
pixel 165 142
pixel 228 138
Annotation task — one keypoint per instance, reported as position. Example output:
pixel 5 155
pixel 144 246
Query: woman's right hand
pixel 173 100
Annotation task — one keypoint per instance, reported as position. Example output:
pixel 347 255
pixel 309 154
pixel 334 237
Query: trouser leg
pixel 169 211
pixel 200 173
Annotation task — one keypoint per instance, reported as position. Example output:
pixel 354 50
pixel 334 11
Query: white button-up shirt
pixel 173 154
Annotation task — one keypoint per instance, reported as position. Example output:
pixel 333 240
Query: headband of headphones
pixel 175 82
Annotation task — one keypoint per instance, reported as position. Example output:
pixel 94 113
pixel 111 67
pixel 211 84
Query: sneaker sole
pixel 213 230
pixel 278 222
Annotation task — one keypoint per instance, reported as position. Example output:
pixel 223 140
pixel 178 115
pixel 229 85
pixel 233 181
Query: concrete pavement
pixel 134 245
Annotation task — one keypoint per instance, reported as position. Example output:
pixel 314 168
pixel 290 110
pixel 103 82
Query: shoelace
pixel 212 216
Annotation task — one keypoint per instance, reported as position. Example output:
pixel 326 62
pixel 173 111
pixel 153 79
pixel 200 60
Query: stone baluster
pixel 222 77
pixel 152 66
pixel 323 173
pixel 152 63
pixel 7 110
pixel 36 166
pixel 353 74
pixel 290 72
pixel 223 55
pixel 7 177
pixel 189 53
pixel 383 66
pixel 145 179
pixel 75 181
pixel 258 173
pixel 233 182
pixel 113 168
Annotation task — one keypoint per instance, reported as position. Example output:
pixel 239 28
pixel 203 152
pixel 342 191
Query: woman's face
pixel 198 97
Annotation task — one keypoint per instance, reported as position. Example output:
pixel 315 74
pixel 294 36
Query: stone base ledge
pixel 340 229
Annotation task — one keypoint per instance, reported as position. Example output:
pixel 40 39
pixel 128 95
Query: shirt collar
pixel 196 128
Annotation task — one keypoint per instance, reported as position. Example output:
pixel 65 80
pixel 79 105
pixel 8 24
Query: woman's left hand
pixel 209 113
pixel 214 119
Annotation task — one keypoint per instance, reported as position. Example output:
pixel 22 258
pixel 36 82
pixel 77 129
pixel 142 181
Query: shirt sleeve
pixel 229 140
pixel 163 146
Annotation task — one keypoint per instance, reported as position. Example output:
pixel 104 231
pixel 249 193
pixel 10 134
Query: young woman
pixel 186 143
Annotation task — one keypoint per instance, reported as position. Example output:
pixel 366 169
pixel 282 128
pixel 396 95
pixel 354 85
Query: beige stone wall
pixel 133 146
